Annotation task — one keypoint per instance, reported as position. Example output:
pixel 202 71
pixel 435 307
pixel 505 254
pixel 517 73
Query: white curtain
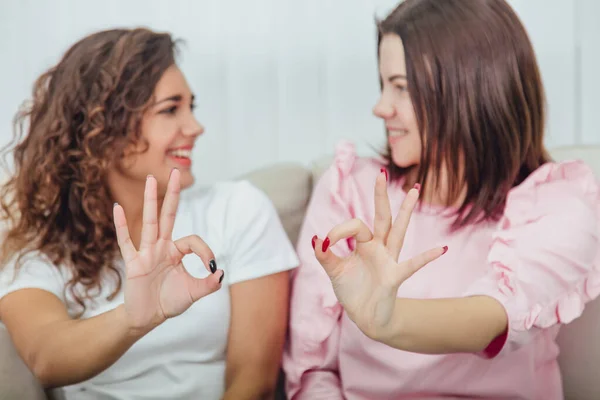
pixel 284 80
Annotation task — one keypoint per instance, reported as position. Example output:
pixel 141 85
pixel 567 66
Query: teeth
pixel 181 153
pixel 398 133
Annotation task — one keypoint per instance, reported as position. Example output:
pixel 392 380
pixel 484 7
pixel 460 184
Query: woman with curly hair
pixel 93 287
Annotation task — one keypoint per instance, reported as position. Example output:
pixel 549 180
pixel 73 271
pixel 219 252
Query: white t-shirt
pixel 184 358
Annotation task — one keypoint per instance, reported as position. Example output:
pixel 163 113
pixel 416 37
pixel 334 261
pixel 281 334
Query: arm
pixel 57 349
pixel 259 310
pixel 259 258
pixel 62 351
pixel 543 265
pixel 436 326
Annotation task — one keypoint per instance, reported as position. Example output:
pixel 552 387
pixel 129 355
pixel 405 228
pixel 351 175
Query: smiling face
pixel 168 133
pixel 395 106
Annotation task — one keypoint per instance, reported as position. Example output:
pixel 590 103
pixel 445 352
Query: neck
pixel 129 193
pixel 430 194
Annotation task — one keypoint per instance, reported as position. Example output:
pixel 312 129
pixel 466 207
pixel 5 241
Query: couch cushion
pixel 289 187
pixel 589 154
pixel 579 341
pixel 16 381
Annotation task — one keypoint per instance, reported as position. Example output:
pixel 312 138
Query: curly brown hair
pixel 85 113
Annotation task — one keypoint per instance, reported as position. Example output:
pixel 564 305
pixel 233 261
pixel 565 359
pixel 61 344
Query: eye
pixel 170 110
pixel 402 88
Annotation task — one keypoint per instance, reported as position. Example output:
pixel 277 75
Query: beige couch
pixel 289 187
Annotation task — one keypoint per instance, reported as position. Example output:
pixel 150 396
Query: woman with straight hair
pixel 446 268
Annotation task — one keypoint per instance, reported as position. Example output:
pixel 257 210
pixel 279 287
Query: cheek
pixel 406 113
pixel 407 152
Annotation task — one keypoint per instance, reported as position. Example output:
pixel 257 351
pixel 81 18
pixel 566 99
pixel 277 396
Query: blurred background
pixel 285 80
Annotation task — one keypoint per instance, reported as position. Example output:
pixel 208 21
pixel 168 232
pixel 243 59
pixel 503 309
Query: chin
pixel 186 180
pixel 402 161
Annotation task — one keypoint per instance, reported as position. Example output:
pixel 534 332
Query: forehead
pixel 171 81
pixel 391 55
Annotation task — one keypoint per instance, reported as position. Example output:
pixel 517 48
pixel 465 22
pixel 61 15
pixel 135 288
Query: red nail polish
pixel 418 187
pixel 383 170
pixel 445 249
pixel 325 245
pixel 314 240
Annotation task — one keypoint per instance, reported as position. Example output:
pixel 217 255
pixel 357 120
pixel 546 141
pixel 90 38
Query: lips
pixel 396 134
pixel 183 153
pixel 181 156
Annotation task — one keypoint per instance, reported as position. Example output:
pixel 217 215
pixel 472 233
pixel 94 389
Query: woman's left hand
pixel 367 281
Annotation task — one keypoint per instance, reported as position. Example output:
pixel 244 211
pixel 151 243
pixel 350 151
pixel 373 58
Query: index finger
pixel 194 244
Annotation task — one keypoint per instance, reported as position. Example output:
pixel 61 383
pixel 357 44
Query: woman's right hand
pixel 157 285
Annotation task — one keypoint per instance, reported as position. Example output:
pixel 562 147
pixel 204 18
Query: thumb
pixel 199 288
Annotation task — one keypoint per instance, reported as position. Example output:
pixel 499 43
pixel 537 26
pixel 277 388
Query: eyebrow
pixel 176 98
pixel 397 76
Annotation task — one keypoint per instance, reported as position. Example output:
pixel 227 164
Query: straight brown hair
pixel 478 98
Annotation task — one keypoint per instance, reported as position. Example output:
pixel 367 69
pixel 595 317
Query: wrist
pixel 391 329
pixel 130 329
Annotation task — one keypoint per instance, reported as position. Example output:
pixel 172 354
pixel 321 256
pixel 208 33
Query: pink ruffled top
pixel 541 261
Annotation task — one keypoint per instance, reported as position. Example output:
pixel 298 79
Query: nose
pixel 193 127
pixel 384 109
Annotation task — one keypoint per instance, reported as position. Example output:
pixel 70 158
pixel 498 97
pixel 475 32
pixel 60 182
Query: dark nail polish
pixel 222 276
pixel 213 266
pixel 314 241
pixel 325 245
pixel 418 187
pixel 445 249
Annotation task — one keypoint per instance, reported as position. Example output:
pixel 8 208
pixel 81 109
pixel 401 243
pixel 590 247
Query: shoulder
pixel 33 270
pixel 566 189
pixel 348 175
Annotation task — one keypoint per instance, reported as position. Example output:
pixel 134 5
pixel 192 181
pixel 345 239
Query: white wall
pixel 284 80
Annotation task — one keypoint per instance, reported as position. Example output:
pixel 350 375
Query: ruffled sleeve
pixel 311 358
pixel 545 256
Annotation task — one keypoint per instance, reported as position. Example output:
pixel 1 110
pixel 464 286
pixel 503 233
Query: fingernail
pixel 221 278
pixel 384 171
pixel 116 204
pixel 314 241
pixel 445 249
pixel 325 245
pixel 418 187
pixel 213 266
pixel 149 176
